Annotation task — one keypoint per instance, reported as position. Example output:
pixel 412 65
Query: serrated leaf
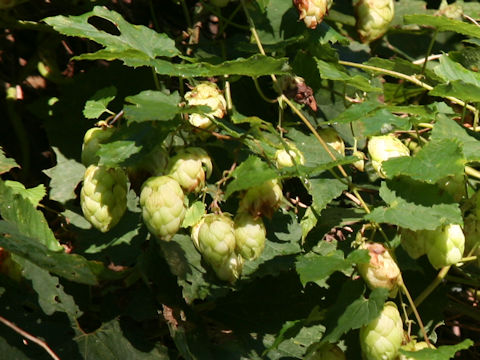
pixel 335 72
pixel 152 105
pixel 444 352
pixel 317 268
pixel 423 210
pixel 35 195
pixel 436 160
pixel 459 89
pixel 20 212
pixel 194 214
pixel 443 23
pixel 451 70
pixel 6 163
pixel 65 177
pixel 446 128
pixel 116 152
pixel 133 42
pixel 243 178
pixel 352 310
pixel 97 105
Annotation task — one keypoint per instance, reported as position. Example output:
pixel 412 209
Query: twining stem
pixel 432 286
pixel 429 51
pixel 414 309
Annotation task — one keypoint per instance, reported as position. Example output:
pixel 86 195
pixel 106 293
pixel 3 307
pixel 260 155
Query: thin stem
pixel 260 92
pixel 429 51
pixel 472 172
pixel 29 337
pixel 155 79
pixel 415 312
pixel 433 285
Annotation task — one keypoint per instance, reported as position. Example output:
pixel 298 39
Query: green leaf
pixel 243 178
pixel 317 268
pixel 133 42
pixel 459 89
pixel 352 310
pixel 6 163
pixel 414 206
pixel 194 214
pixel 436 160
pixel 116 152
pixel 97 105
pixel 12 351
pixel 446 128
pixel 451 70
pixel 444 352
pixel 35 195
pixel 20 211
pixel 152 105
pixel 443 23
pixel 335 72
pixel 65 177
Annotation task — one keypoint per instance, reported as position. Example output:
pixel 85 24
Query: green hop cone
pixel 413 346
pixel 381 148
pixel 262 200
pixel 373 18
pixel 289 156
pixel 215 238
pixel 190 167
pixel 447 244
pixel 330 136
pixel 250 235
pixel 382 270
pixel 381 338
pixel 360 163
pixel 163 206
pixel 206 93
pixel 231 269
pixel 312 12
pixel 91 143
pixel 103 197
pixel 415 243
pixel 327 352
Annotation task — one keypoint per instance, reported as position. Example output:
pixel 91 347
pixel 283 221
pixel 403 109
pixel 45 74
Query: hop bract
pixel 231 269
pixel 447 246
pixel 331 137
pixel 360 163
pixel 327 352
pixel 382 270
pixel 206 93
pixel 373 18
pixel 103 197
pixel 91 143
pixel 216 239
pixel 312 12
pixel 289 156
pixel 250 235
pixel 190 167
pixel 415 243
pixel 385 147
pixel 381 339
pixel 163 206
pixel 262 200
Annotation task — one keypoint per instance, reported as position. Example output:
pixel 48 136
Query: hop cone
pixel 413 346
pixel 163 206
pixel 382 270
pixel 373 18
pixel 249 235
pixel 91 143
pixel 360 163
pixel 385 147
pixel 289 157
pixel 231 269
pixel 216 239
pixel 415 242
pixel 447 246
pixel 262 200
pixel 381 338
pixel 206 93
pixel 312 12
pixel 103 196
pixel 331 137
pixel 327 352
pixel 188 167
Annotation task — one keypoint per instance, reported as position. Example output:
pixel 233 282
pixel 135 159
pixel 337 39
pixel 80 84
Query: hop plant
pixel 327 352
pixel 381 148
pixel 453 185
pixel 373 18
pixel 360 163
pixel 382 337
pixel 92 140
pixel 215 239
pixel 103 197
pixel 413 346
pixel 190 167
pixel 415 243
pixel 312 12
pixel 289 156
pixel 262 200
pixel 447 246
pixel 163 206
pixel 332 139
pixel 250 235
pixel 231 269
pixel 206 93
pixel 382 270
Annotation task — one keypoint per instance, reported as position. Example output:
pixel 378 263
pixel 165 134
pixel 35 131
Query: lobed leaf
pixel 444 352
pixel 152 105
pixel 459 89
pixel 6 164
pixel 443 23
pixel 34 195
pixel 97 104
